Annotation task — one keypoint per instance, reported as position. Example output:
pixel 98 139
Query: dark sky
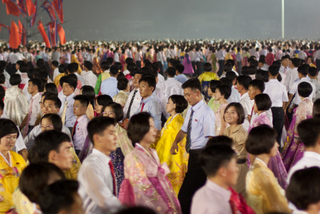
pixel 182 19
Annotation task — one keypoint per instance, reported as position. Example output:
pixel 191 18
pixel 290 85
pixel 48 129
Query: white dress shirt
pixel 109 86
pixel 277 92
pixel 135 104
pixel 96 185
pixel 80 132
pixel 292 76
pixel 80 78
pixel 247 105
pixel 294 90
pixel 35 108
pixel 160 78
pixel 234 96
pixel 70 117
pixel 55 73
pixel 170 87
pixel 90 79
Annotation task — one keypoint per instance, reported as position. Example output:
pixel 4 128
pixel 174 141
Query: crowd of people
pixel 160 127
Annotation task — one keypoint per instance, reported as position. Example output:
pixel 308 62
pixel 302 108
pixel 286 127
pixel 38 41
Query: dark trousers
pixel 318 64
pixel 199 68
pixel 239 65
pixel 221 65
pixel 138 64
pixel 195 178
pixel 278 121
pixel 194 68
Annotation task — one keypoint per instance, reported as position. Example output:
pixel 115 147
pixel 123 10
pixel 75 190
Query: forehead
pixel 49 102
pixel 144 83
pixel 110 129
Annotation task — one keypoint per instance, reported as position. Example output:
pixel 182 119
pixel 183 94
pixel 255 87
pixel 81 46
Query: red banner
pixel 12 8
pixel 43 34
pixel 48 7
pixel 23 34
pixel 14 40
pixel 52 31
pixel 31 7
pixel 62 35
pixel 57 4
pixel 33 20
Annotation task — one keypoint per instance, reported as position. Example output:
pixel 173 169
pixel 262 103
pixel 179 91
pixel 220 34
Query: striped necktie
pixel 188 142
pixel 131 102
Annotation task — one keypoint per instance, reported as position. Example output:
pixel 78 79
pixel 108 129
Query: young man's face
pixel 192 96
pixel 109 139
pixel 31 88
pixel 253 92
pixel 67 89
pixel 285 62
pixel 48 107
pixel 135 80
pixel 145 89
pixel 79 109
pixel 63 158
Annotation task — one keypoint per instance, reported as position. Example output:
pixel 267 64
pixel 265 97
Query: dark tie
pixel 129 109
pixel 74 128
pixel 189 132
pixel 113 178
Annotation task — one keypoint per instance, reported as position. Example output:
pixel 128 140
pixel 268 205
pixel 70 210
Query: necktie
pixel 113 178
pixel 74 128
pixel 142 107
pixel 233 206
pixel 63 117
pixel 28 120
pixel 189 132
pixel 132 99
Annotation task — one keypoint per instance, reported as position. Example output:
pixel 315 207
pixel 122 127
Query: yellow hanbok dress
pixel 23 205
pixel 264 194
pixel 177 163
pixel 72 173
pixel 9 179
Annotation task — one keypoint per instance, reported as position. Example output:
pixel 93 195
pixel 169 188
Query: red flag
pixel 44 35
pixel 14 40
pixel 33 20
pixel 22 7
pixel 12 8
pixel 57 4
pixel 48 7
pixel 52 29
pixel 31 7
pixel 62 35
pixel 23 33
pixel 20 30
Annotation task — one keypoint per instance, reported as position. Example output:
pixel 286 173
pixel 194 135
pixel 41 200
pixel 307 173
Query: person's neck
pixel 5 153
pixel 272 77
pixel 145 145
pixel 260 112
pixel 172 113
pixel 197 102
pixel 219 181
pixel 312 209
pixel 315 149
pixel 233 126
pixel 222 100
pixel 34 93
pixel 313 78
pixel 69 94
pixel 78 116
pixel 106 152
pixel 243 92
pixel 264 157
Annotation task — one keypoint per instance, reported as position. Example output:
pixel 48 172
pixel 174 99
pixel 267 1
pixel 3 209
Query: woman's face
pixel 218 95
pixel 7 142
pixel 108 112
pixel 150 137
pixel 274 149
pixel 46 125
pixel 231 116
pixel 98 107
pixel 170 106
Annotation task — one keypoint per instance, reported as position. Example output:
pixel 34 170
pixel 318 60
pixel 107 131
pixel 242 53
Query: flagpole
pixel 282 18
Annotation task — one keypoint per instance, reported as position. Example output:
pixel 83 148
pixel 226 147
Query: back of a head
pixel 207 67
pixel 230 75
pixel 273 70
pixel 296 62
pixel 304 69
pixel 309 132
pixel 171 71
pixel 304 188
pixel 122 83
pixel 313 72
pixel 304 89
pixel 59 196
pixel 135 210
pixel 114 70
pixel 180 68
pixel 263 102
pixel 262 75
pixel 15 79
pixel 257 84
pixel 88 65
pixel 244 80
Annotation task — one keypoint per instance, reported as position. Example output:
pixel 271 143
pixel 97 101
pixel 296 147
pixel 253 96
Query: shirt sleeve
pixel 209 123
pixel 155 112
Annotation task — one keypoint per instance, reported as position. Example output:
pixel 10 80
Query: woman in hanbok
pixel 11 164
pixel 294 148
pixel 146 183
pixel 33 180
pixel 124 145
pixel 212 59
pixel 223 92
pixel 234 115
pixel 75 60
pixel 177 163
pixel 213 102
pixel 262 103
pixel 16 105
pixel 188 69
pixel 123 60
pixel 264 194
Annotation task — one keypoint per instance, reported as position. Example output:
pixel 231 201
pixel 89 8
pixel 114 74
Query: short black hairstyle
pixel 180 101
pixel 309 131
pixel 24 68
pixel 105 65
pixel 58 196
pixel 1 105
pixel 239 110
pixel 304 188
pixel 265 135
pixel 71 68
pixel 304 89
pixel 117 108
pixel 150 80
pixel 244 80
pixel 263 102
pixel 36 82
pixel 273 70
pixel 316 109
pixel 55 120
pixel 138 127
pixel 226 81
pixel 8 127
pixel 88 91
pixel 2 79
pixel 180 68
pixel 296 62
pixel 62 68
pixel 207 66
pixel 230 75
pixel 82 99
pixel 137 209
pixel 114 70
pixel 69 80
pixel 213 85
pixel 257 84
pixel 54 98
pixel 88 65
pixel 35 178
pixel 224 90
pixel 285 57
pixel 216 155
pixel 313 72
pixel 193 84
pixel 98 125
pixel 303 69
pixel 104 100
pixel 129 60
pixel 51 88
pixel 15 79
pixel 122 84
pixel 171 71
pixel 55 63
pixel 44 143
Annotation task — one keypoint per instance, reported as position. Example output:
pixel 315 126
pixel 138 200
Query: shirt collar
pixel 225 193
pixel 36 95
pixel 82 118
pixel 236 129
pixel 197 106
pixel 147 99
pixel 68 98
pixel 101 155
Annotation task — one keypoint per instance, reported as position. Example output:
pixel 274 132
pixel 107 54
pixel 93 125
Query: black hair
pixel 58 196
pixel 51 88
pixel 88 91
pixel 313 72
pixel 304 188
pixel 104 100
pixel 55 63
pixel 129 60
pixel 244 80
pixel 263 102
pixel 150 80
pixel 88 65
pixel 55 120
pixel 180 68
pixel 1 105
pixel 224 90
pixel 52 97
pixel 114 70
pixel 15 79
pixel 82 99
pixel 71 68
pixel 273 70
pixel 257 84
pixel 180 101
pixel 2 79
pixel 213 85
pixel 265 135
pixel 44 143
pixel 216 155
pixel 207 66
pixel 137 209
pixel 155 66
pixel 226 81
pixel 98 125
pixel 304 89
pixel 239 110
pixel 122 84
pixel 296 62
pixel 70 81
pixel 171 71
pixel 24 68
pixel 285 57
pixel 230 75
pixel 36 82
pixel 303 69
pixel 117 108
pixel 35 178
pixel 193 84
pixel 105 65
pixel 8 127
pixel 309 131
pixel 316 109
pixel 138 127
pixel 62 68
